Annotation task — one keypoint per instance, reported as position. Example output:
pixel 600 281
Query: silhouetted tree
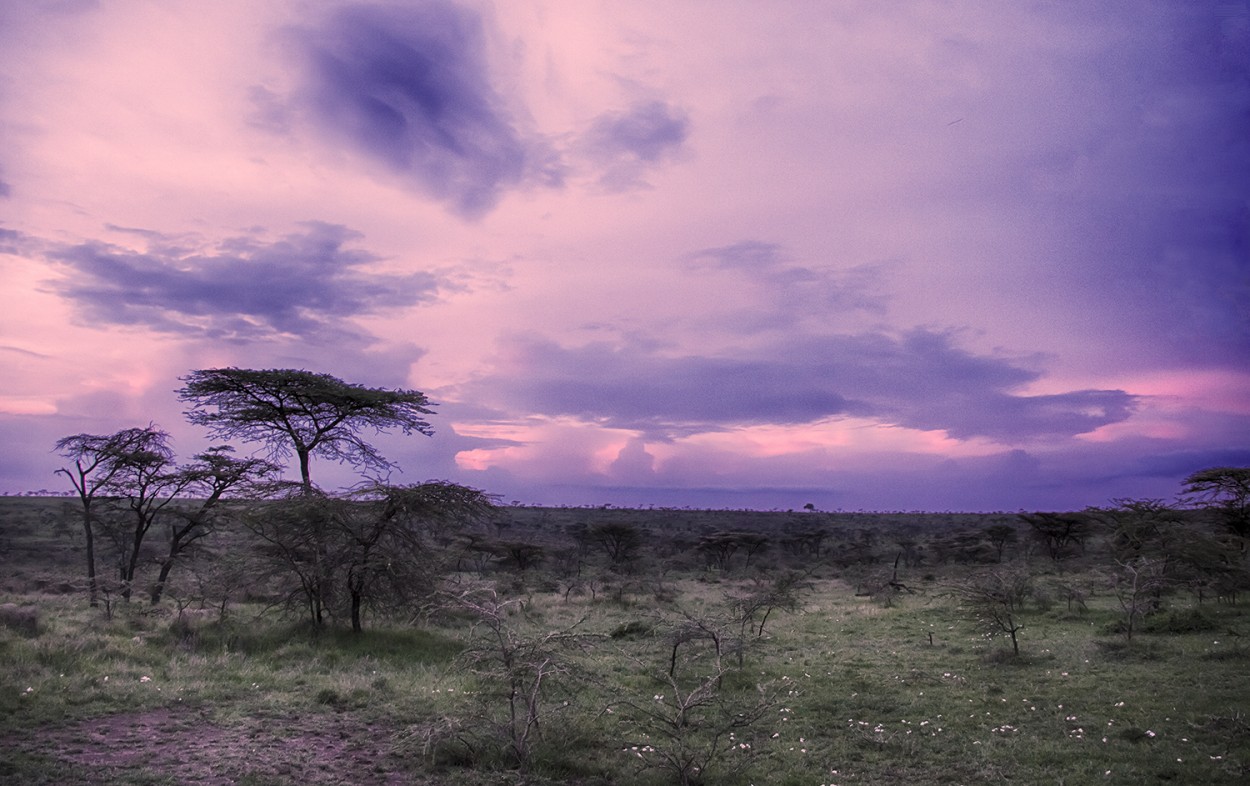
pixel 145 487
pixel 97 459
pixel 301 413
pixel 1059 532
pixel 999 536
pixel 1226 489
pixel 619 541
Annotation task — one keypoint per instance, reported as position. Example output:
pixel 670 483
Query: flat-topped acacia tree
pixel 302 413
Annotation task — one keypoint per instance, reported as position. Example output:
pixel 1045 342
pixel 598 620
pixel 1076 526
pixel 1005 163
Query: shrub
pixel 1187 621
pixel 24 620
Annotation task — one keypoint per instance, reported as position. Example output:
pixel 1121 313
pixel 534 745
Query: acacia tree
pixel 620 541
pixel 374 548
pixel 1226 489
pixel 212 476
pixel 97 460
pixel 1059 531
pixel 147 484
pixel 302 413
pixel 387 550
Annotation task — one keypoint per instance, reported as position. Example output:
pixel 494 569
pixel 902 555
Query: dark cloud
pixel 5 190
pixel 920 380
pixel 625 144
pixel 409 87
pixel 303 285
pixel 1180 464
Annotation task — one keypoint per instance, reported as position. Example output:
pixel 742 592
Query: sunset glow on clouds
pixel 888 256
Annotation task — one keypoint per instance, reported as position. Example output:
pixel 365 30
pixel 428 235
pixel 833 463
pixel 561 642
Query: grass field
pixel 843 689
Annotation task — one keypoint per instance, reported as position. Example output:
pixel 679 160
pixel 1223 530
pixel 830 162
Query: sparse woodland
pixel 240 630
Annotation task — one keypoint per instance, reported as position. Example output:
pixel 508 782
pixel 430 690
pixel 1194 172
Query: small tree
pixel 1059 532
pixel 373 548
pixel 388 554
pixel 97 459
pixel 299 538
pixel 1000 536
pixel 1138 527
pixel 993 600
pixel 1138 585
pixel 782 593
pixel 213 475
pixel 720 547
pixel 518 668
pixel 147 484
pixel 301 413
pixel 695 720
pixel 620 542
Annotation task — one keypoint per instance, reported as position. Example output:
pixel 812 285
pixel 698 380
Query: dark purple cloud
pixel 409 87
pixel 304 285
pixel 919 380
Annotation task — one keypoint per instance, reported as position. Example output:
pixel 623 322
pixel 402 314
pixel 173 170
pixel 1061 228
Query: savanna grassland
pixel 606 646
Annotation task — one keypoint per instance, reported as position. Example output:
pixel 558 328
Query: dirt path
pixel 187 747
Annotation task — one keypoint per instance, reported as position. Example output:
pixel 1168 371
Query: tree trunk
pixel 305 475
pixel 356 602
pixel 158 588
pixel 92 588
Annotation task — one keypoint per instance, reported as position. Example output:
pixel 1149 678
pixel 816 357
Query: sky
pixel 961 255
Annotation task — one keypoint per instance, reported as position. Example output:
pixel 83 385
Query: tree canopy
pixel 302 413
pixel 99 460
pixel 1227 489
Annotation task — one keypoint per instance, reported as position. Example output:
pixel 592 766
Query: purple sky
pixel 888 256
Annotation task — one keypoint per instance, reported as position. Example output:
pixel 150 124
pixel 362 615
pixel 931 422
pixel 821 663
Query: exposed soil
pixel 187 747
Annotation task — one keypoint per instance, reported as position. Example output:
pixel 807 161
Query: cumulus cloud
pixel 305 284
pixel 625 144
pixel 409 87
pixel 918 380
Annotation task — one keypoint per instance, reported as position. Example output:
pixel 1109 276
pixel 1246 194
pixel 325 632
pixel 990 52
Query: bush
pixel 634 629
pixel 1177 622
pixel 24 620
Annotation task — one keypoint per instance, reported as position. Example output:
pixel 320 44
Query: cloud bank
pixel 918 380
pixel 307 284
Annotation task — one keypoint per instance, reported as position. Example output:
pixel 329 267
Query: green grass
pixel 862 696
pixel 862 692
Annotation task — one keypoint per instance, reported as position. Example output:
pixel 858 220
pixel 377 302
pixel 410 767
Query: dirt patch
pixel 188 747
